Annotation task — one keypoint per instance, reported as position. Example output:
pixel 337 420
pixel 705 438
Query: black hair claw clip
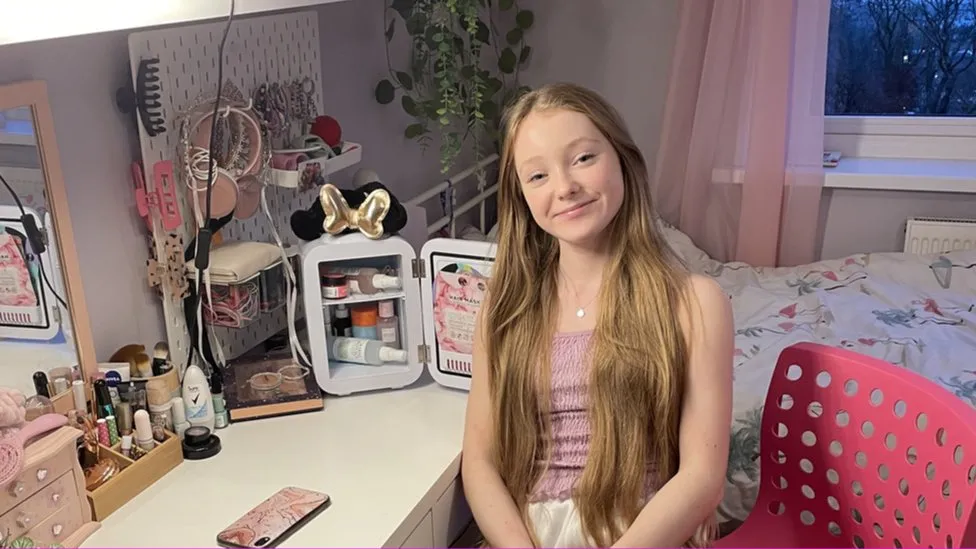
pixel 145 97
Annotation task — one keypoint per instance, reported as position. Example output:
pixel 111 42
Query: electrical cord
pixel 35 238
pixel 205 233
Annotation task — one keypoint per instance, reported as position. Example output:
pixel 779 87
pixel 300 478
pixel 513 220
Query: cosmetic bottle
pixel 363 351
pixel 364 321
pixel 144 438
pixel 78 392
pixel 342 325
pixel 180 425
pixel 367 280
pixel 40 384
pixel 334 286
pixel 221 417
pixel 197 399
pixel 387 325
pixel 103 399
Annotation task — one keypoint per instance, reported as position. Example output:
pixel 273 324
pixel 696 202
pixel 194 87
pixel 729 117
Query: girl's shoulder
pixel 705 308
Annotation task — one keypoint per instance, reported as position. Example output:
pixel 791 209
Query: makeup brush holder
pixel 135 475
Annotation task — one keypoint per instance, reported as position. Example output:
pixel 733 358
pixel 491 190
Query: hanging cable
pixel 35 238
pixel 205 232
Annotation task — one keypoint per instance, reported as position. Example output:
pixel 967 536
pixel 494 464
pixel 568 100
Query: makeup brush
pixel 160 362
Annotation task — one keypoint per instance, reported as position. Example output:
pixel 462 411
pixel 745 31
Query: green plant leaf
pixel 492 85
pixel 417 24
pixel 490 109
pixel 405 80
pixel 506 61
pixel 403 7
pixel 505 5
pixel 413 130
pixel 514 36
pixel 524 19
pixel 409 105
pixel 467 72
pixel 482 35
pixel 390 30
pixel 524 55
pixel 385 92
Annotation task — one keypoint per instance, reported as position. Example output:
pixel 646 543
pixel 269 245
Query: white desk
pixel 389 460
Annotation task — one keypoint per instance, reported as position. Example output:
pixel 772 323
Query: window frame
pixel 896 136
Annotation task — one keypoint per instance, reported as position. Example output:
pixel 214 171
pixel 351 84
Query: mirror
pixel 43 320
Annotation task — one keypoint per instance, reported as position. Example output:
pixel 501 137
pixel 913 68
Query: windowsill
pixel 887 174
pixel 900 174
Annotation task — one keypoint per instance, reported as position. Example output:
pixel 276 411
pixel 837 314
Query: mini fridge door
pixel 454 278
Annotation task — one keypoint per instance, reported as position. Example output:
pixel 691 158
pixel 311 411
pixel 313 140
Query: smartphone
pixel 274 519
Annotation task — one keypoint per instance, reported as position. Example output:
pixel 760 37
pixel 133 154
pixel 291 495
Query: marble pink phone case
pixel 274 519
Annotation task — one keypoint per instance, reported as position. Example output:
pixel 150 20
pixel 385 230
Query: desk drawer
pixel 450 514
pixel 33 478
pixel 60 494
pixel 422 536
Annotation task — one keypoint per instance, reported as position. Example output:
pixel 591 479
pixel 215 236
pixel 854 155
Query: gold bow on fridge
pixel 367 218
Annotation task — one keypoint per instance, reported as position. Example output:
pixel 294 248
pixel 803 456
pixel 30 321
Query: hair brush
pixel 145 98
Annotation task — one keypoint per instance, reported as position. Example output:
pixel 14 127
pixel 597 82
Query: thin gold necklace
pixel 580 309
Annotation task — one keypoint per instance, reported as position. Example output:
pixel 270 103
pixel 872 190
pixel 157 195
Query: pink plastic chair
pixel 857 452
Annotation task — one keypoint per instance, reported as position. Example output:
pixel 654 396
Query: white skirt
pixel 556 523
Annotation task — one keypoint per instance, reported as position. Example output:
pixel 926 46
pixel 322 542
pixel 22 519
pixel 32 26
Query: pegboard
pixel 278 48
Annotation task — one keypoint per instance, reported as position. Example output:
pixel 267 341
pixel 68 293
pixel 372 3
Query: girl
pixel 601 396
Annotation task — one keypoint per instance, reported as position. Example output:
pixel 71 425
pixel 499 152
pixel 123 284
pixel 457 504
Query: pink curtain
pixel 739 168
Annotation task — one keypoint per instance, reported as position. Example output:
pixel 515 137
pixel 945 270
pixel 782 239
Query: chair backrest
pixel 858 451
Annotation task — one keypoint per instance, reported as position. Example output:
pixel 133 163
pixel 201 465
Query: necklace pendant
pixel 580 312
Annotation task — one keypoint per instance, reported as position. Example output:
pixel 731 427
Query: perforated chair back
pixel 858 452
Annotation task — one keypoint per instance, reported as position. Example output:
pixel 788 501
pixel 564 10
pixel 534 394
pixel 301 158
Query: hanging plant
pixel 453 86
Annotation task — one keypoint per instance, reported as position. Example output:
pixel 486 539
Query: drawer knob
pixel 41 474
pixel 56 529
pixel 55 497
pixel 17 488
pixel 24 521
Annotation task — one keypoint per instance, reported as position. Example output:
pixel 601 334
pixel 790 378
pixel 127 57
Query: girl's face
pixel 569 174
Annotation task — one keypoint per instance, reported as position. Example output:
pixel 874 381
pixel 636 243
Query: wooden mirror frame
pixel 33 93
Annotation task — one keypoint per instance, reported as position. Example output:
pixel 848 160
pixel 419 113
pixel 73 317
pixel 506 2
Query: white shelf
pixel 352 154
pixel 364 298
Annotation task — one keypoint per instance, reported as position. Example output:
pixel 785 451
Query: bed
pixel 915 311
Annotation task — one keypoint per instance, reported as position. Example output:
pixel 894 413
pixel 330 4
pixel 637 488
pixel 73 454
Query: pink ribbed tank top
pixel 569 423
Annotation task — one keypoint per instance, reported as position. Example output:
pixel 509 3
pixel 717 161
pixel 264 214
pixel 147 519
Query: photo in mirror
pixel 35 320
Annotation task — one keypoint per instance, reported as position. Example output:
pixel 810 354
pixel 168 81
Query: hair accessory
pixel 246 156
pixel 265 381
pixel 293 372
pixel 368 217
pixel 145 98
pixel 302 99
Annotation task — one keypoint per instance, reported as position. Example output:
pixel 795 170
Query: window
pixel 901 79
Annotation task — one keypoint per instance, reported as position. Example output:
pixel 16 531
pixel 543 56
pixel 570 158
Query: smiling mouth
pixel 575 208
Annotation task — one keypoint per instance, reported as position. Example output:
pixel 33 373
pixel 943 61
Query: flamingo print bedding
pixel 918 312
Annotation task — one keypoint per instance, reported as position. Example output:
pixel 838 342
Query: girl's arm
pixel 491 504
pixel 693 494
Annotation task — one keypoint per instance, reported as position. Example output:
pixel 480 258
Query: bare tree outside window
pixel 901 57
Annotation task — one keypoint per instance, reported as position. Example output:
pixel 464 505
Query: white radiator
pixel 932 235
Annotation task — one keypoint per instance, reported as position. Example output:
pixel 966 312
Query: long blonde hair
pixel 639 352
